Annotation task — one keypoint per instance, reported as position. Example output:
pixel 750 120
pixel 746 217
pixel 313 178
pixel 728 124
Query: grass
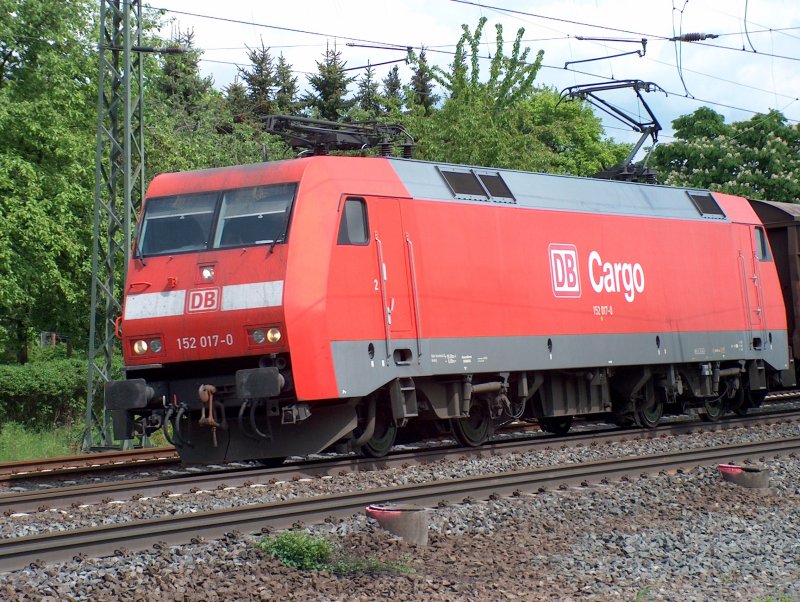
pixel 21 443
pixel 18 442
pixel 643 594
pixel 303 551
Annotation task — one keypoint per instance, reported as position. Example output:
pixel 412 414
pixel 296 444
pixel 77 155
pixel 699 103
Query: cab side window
pixel 762 249
pixel 353 229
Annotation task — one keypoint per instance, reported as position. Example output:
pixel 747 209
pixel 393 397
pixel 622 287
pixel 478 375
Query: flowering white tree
pixel 758 158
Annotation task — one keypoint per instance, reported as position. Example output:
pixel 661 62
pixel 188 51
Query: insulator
pixel 385 149
pixel 408 151
pixel 694 37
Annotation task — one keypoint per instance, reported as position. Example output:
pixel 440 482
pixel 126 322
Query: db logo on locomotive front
pixel 206 299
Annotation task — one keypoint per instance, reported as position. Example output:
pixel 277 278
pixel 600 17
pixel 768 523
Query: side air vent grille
pixel 706 205
pixel 477 185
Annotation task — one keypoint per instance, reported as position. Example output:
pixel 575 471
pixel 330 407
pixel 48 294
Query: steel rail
pixel 59 497
pixel 183 528
pixel 85 462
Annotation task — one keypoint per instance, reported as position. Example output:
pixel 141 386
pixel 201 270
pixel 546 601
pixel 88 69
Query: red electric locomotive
pixel 280 308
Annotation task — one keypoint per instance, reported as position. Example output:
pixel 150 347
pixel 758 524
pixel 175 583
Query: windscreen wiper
pixel 137 251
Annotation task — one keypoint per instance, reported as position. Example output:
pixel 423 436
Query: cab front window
pixel 257 215
pixel 177 224
pixel 254 216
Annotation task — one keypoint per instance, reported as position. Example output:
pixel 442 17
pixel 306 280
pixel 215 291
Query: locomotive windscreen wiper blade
pixel 137 252
pixel 273 243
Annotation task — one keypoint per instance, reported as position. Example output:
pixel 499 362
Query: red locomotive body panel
pixel 315 223
pixel 664 275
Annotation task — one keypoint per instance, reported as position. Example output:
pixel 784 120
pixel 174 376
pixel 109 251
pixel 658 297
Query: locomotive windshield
pixel 230 218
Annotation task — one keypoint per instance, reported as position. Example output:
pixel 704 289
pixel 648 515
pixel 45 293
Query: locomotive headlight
pixel 207 272
pixel 155 345
pixel 273 335
pixel 140 347
pixel 258 336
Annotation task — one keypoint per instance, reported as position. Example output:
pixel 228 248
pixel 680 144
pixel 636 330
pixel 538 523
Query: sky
pixel 752 67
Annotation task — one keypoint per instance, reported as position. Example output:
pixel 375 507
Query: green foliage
pixel 48 106
pixel 40 395
pixel 510 77
pixel 536 134
pixel 758 158
pixel 367 98
pixel 506 121
pixel 179 79
pixel 328 96
pixel 348 565
pixel 215 131
pixel 392 92
pixel 300 550
pixel 421 90
pixel 286 88
pixel 18 442
pixel 260 80
pixel 212 137
pixel 237 102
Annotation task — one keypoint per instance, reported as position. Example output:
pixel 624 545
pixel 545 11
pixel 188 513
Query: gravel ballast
pixel 684 536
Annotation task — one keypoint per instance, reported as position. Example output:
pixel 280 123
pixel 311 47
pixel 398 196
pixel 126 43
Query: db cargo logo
pixel 564 270
pixel 203 300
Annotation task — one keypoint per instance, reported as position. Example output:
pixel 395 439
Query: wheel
pixel 475 429
pixel 649 409
pixel 384 436
pixel 713 409
pixel 738 402
pixel 558 425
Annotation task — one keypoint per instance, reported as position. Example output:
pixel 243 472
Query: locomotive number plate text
pixel 205 341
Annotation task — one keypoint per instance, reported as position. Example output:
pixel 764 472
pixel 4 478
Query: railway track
pixel 104 461
pixel 86 462
pixel 153 486
pixel 172 530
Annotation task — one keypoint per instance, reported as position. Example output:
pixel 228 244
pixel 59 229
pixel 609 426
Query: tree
pixel 758 158
pixel 327 98
pixel 367 98
pixel 237 101
pixel 421 87
pixel 48 107
pixel 219 130
pixel 392 93
pixel 179 79
pixel 505 120
pixel 260 81
pixel 510 77
pixel 286 88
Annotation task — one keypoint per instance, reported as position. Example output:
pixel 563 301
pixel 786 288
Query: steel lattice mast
pixel 119 189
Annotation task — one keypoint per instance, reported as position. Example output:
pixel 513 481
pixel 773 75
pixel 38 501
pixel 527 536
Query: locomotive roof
pixel 458 183
pixel 428 180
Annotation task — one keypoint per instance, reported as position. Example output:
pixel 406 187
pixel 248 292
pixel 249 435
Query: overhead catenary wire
pixel 650 36
pixel 439 48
